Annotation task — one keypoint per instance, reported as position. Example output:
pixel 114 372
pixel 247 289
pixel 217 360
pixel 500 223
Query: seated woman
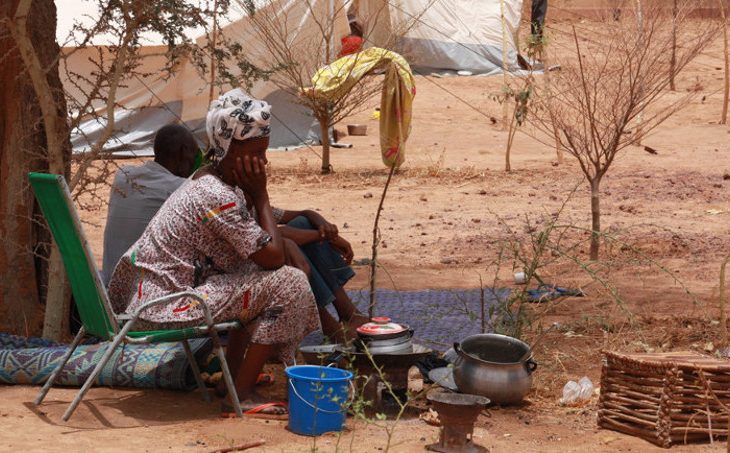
pixel 218 235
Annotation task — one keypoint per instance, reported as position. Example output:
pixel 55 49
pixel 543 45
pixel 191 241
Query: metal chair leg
pixel 196 370
pixel 229 381
pixel 52 378
pixel 94 374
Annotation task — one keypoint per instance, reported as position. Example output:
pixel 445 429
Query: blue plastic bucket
pixel 318 398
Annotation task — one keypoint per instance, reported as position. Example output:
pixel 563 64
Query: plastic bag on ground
pixel 577 392
pixel 586 388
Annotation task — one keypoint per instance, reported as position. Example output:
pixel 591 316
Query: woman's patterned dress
pixel 201 240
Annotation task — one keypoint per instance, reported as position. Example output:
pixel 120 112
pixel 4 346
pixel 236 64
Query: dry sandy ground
pixel 440 228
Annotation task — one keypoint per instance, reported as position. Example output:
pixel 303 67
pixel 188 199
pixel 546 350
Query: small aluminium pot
pixel 381 336
pixel 496 366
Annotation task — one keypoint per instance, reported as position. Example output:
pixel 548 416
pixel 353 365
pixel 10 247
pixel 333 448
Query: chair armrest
pixel 124 317
pixel 170 298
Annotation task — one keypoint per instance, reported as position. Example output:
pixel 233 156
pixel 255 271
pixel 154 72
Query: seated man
pixel 138 191
pixel 328 256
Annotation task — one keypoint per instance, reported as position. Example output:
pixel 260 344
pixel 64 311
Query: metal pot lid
pixel 381 326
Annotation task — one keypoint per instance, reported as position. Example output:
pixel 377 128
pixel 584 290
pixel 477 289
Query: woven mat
pixel 438 317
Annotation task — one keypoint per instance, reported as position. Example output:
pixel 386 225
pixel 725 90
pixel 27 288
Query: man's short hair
pixel 170 141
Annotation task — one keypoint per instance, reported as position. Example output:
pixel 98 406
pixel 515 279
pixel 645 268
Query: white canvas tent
pixel 441 34
pixel 456 35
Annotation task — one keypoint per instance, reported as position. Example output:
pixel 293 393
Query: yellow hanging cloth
pixel 396 103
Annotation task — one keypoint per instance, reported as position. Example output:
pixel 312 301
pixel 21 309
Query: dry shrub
pixel 613 89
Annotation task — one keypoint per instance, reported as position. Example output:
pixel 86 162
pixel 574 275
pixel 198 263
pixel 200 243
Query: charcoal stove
pixel 394 369
pixel 381 344
pixel 457 414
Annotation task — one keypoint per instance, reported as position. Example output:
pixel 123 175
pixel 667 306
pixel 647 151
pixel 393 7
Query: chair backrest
pixel 89 293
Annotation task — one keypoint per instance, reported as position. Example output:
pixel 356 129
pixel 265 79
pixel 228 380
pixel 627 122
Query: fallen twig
pixel 240 447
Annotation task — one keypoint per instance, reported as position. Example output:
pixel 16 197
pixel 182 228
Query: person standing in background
pixel 537 18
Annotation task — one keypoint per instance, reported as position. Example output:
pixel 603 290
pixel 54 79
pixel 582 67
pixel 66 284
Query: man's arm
pixel 288 216
pixel 325 229
pixel 299 236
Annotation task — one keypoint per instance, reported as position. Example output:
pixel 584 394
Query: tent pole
pixel 726 97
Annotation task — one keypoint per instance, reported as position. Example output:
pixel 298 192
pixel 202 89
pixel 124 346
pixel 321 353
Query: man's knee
pixel 306 268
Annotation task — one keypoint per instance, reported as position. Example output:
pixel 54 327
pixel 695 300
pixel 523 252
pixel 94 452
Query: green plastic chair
pixel 92 301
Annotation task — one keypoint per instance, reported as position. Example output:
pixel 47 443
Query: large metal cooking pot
pixel 496 366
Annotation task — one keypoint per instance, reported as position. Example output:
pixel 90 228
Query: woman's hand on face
pixel 344 248
pixel 250 174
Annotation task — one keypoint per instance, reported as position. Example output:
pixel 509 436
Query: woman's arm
pixel 271 256
pixel 250 174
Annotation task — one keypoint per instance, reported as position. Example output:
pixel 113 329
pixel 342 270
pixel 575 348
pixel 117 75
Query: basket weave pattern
pixel 665 398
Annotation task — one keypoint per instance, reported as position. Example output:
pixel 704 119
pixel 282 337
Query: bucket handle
pixel 352 398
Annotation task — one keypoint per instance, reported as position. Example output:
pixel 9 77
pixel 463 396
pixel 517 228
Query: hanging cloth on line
pixel 396 103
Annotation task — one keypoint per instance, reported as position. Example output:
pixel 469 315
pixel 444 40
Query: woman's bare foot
pixel 263 379
pixel 356 320
pixel 335 331
pixel 342 334
pixel 255 404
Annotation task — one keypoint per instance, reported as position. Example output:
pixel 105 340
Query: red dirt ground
pixel 440 229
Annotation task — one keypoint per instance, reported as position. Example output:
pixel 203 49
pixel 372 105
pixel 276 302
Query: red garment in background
pixel 351 44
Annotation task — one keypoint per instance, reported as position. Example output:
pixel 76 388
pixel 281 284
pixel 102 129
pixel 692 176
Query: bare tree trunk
pixel 595 217
pixel 673 61
pixel 548 82
pixel 31 54
pixel 726 97
pixel 213 40
pixel 640 19
pixel 324 131
pixel 510 140
pixel 58 299
pixel 56 132
pixel 376 243
pixel 505 66
pixel 723 315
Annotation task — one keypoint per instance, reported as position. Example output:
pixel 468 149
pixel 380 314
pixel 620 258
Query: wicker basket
pixel 665 398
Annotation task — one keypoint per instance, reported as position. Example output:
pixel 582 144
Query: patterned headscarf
pixel 235 115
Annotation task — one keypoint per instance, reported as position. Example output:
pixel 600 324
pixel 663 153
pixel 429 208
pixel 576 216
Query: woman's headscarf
pixel 235 115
